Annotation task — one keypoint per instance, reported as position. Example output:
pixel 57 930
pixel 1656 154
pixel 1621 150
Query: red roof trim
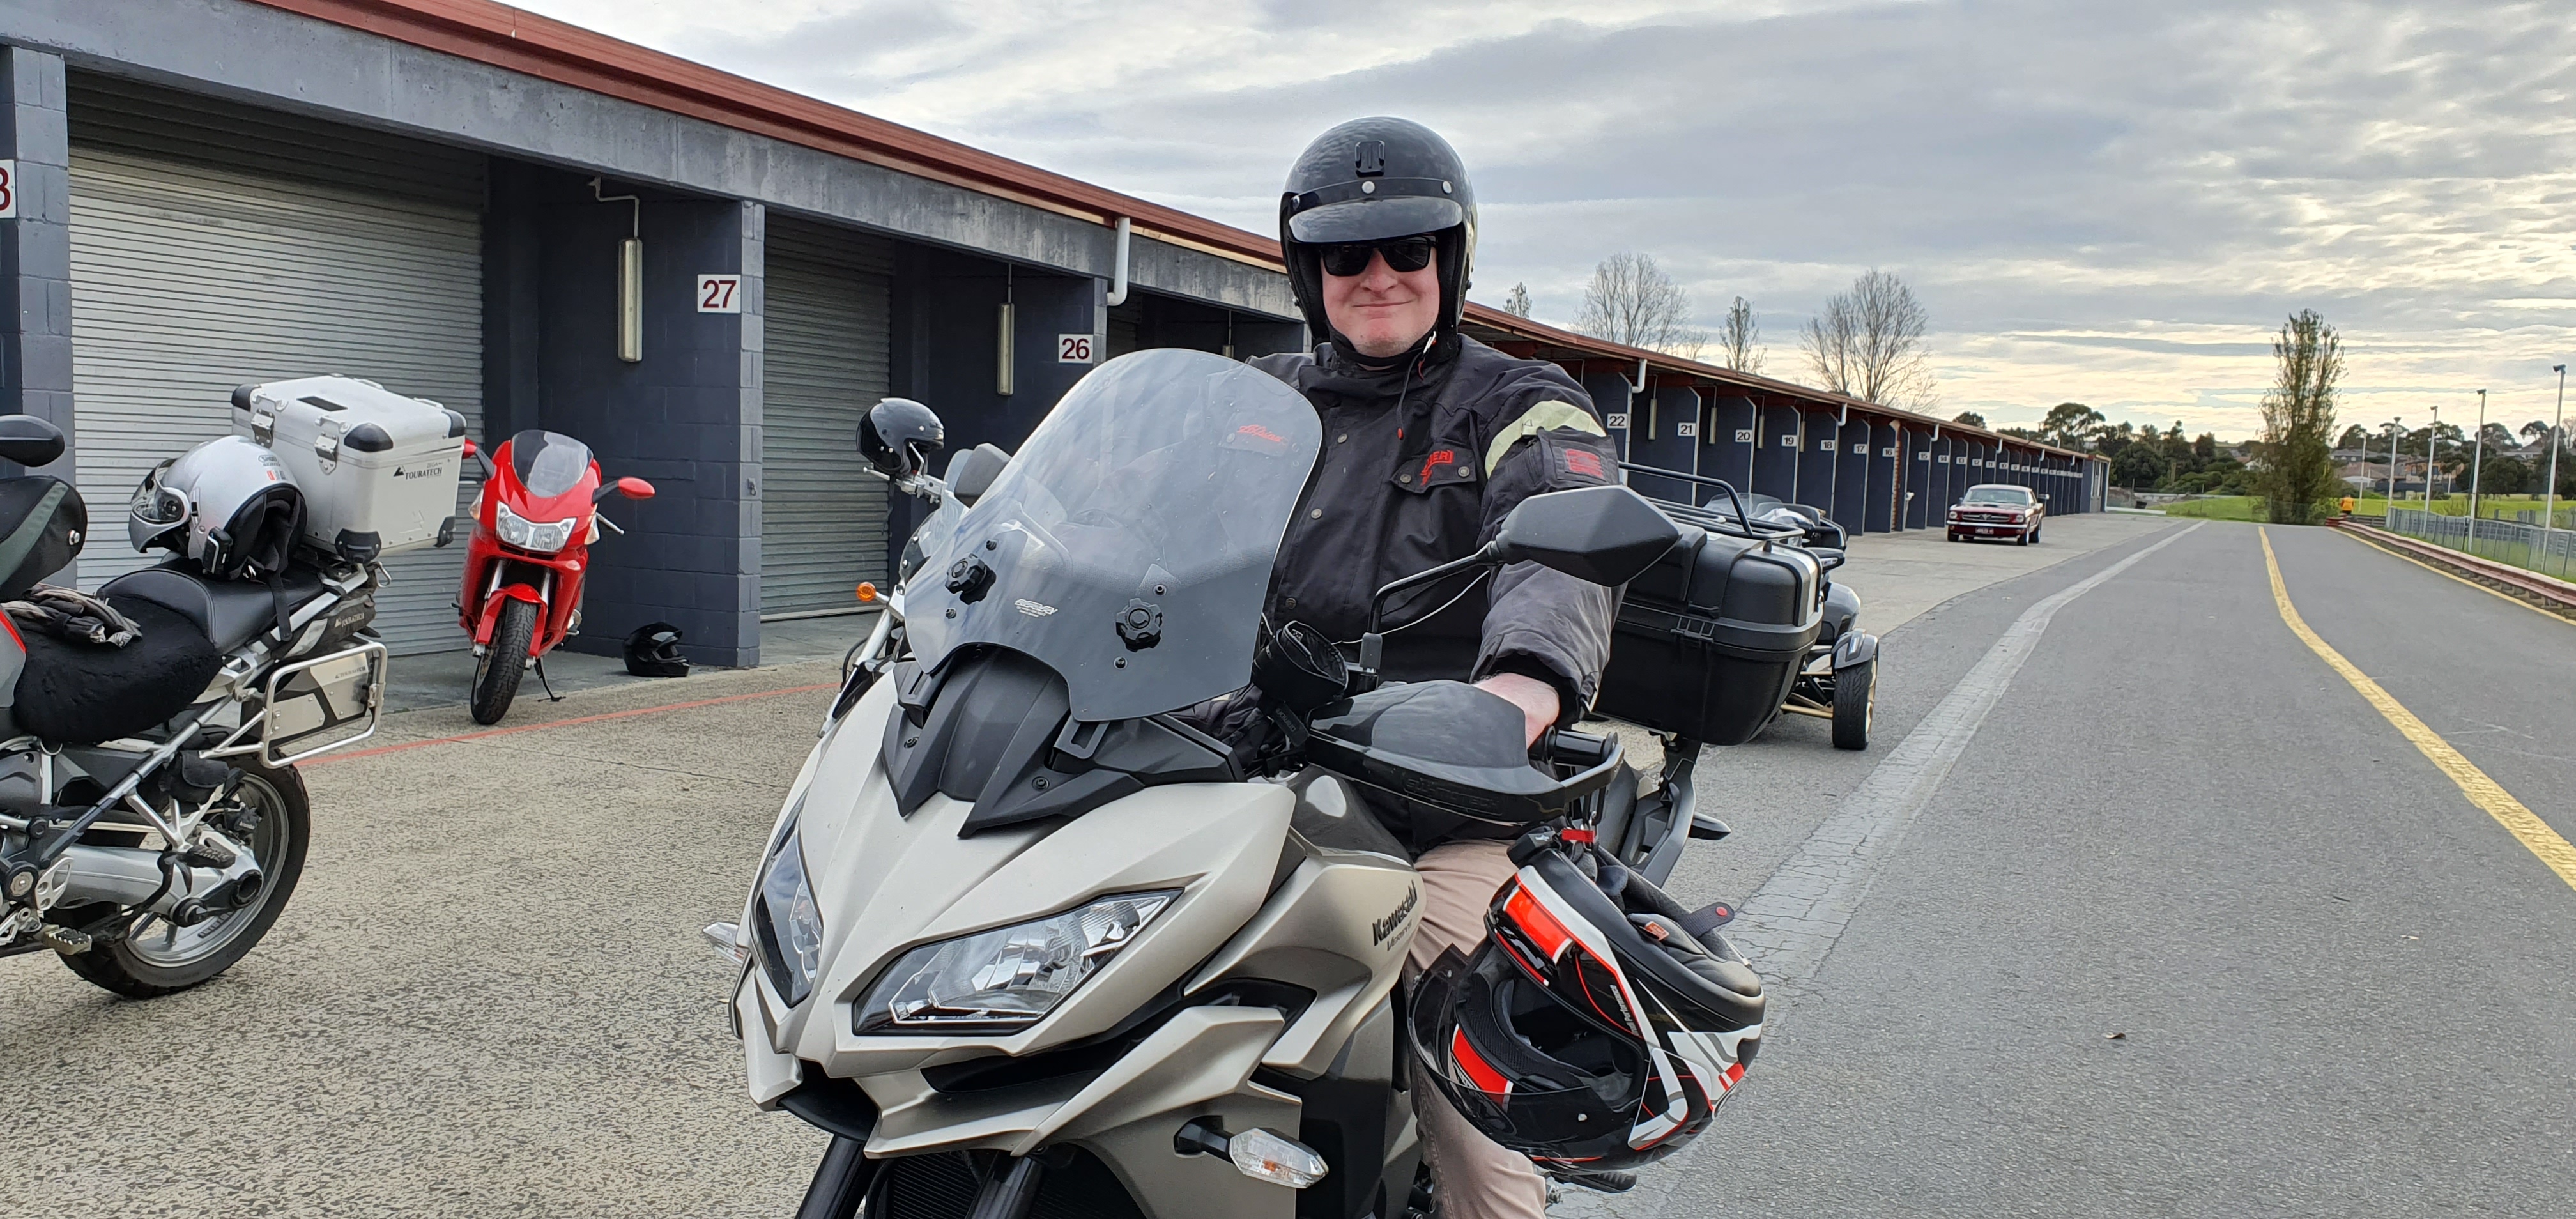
pixel 506 37
pixel 520 41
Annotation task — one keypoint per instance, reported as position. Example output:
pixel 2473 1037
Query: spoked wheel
pixel 157 956
pixel 497 672
pixel 1855 704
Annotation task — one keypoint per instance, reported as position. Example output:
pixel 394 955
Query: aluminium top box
pixel 378 470
pixel 1710 638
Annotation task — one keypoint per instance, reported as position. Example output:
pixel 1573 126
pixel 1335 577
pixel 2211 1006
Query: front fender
pixel 491 612
pixel 1853 649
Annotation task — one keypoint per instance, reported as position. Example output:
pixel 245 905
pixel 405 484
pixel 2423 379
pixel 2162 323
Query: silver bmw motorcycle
pixel 152 822
pixel 1026 942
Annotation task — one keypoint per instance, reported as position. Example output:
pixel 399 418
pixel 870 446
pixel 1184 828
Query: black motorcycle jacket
pixel 1420 463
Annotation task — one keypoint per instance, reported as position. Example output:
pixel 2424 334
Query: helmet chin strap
pixel 1414 351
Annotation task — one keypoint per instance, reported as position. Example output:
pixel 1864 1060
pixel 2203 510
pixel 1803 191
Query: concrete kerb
pixel 2543 592
pixel 446 725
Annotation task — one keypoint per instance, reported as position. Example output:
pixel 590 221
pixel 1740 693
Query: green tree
pixel 2070 424
pixel 1971 418
pixel 2137 466
pixel 2298 482
pixel 2353 437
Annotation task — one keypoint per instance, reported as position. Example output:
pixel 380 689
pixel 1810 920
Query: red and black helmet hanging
pixel 1598 1027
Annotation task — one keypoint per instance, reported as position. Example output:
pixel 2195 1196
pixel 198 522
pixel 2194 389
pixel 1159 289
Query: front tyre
pixel 1855 704
pixel 156 956
pixel 497 673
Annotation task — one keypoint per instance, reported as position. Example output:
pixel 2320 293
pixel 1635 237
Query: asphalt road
pixel 2337 986
pixel 2189 928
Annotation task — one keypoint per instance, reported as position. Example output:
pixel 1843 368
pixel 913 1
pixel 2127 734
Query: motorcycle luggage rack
pixel 273 733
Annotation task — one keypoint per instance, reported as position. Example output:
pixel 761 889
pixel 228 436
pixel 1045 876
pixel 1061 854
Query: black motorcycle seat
pixel 230 613
pixel 81 693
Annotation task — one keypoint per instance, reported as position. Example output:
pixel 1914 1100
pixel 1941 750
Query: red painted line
pixel 579 719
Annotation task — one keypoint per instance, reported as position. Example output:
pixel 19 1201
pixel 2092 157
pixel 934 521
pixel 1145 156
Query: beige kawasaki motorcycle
pixel 1027 943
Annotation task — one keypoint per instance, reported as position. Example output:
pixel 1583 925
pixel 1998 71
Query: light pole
pixel 2477 462
pixel 2396 435
pixel 2557 438
pixel 2432 445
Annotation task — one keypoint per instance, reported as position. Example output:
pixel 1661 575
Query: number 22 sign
pixel 720 294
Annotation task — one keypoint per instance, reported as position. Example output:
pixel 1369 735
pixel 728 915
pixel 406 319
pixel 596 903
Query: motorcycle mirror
pixel 29 441
pixel 972 472
pixel 470 450
pixel 1602 535
pixel 898 435
pixel 630 487
pixel 1298 667
pixel 1827 557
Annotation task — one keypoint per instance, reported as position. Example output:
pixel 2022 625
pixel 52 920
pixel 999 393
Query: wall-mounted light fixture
pixel 1003 381
pixel 630 279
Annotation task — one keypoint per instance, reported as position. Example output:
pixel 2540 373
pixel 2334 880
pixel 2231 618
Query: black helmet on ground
pixel 654 651
pixel 898 435
pixel 1377 180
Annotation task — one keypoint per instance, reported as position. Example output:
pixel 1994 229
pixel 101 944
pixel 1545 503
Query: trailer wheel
pixel 1855 704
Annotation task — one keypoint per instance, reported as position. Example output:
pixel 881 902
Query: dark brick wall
pixel 686 417
pixel 35 248
pixel 1610 395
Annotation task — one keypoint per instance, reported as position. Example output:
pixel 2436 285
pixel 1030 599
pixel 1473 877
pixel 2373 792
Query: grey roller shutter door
pixel 188 280
pixel 826 331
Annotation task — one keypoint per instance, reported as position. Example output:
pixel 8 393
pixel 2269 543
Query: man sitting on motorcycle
pixel 1430 437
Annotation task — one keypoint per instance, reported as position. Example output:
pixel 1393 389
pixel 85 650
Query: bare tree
pixel 1736 337
pixel 1632 301
pixel 1518 303
pixel 1868 343
pixel 2298 419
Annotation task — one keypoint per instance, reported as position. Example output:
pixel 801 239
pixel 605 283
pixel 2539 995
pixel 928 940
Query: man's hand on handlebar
pixel 1535 698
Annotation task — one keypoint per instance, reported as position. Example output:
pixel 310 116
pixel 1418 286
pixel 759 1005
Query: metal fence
pixel 2547 551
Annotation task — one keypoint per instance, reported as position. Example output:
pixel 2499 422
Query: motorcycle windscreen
pixel 1128 544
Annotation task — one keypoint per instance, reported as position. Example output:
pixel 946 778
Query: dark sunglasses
pixel 1409 254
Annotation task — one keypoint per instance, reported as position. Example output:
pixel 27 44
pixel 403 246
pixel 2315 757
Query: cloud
pixel 2109 202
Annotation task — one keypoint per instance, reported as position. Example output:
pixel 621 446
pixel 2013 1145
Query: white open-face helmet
pixel 227 504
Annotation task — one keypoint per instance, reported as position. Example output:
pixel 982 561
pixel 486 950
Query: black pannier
pixel 1710 638
pixel 42 524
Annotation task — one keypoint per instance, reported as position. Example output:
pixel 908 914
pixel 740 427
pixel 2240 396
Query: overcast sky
pixel 2115 203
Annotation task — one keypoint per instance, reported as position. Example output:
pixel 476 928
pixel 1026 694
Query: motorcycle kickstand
pixel 551 696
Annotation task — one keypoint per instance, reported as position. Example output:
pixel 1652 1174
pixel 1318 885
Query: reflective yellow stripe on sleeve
pixel 1545 417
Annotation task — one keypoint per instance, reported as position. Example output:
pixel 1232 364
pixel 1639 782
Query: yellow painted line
pixel 2505 597
pixel 2482 791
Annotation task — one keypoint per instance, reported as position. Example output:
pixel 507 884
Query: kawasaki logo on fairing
pixel 1395 919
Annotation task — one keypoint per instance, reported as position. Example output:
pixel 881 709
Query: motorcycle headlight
pixel 1008 977
pixel 789 924
pixel 543 537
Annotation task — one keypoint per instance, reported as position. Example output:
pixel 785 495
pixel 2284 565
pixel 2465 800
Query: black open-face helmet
pixel 1597 1028
pixel 898 437
pixel 1373 180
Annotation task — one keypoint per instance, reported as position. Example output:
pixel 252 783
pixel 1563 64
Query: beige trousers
pixel 1477 1178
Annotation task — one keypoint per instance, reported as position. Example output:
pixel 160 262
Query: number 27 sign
pixel 720 294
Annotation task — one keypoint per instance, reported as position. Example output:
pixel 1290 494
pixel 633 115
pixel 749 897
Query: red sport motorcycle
pixel 534 521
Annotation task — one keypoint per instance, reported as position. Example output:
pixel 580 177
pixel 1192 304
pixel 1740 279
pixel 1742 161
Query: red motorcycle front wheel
pixel 496 675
